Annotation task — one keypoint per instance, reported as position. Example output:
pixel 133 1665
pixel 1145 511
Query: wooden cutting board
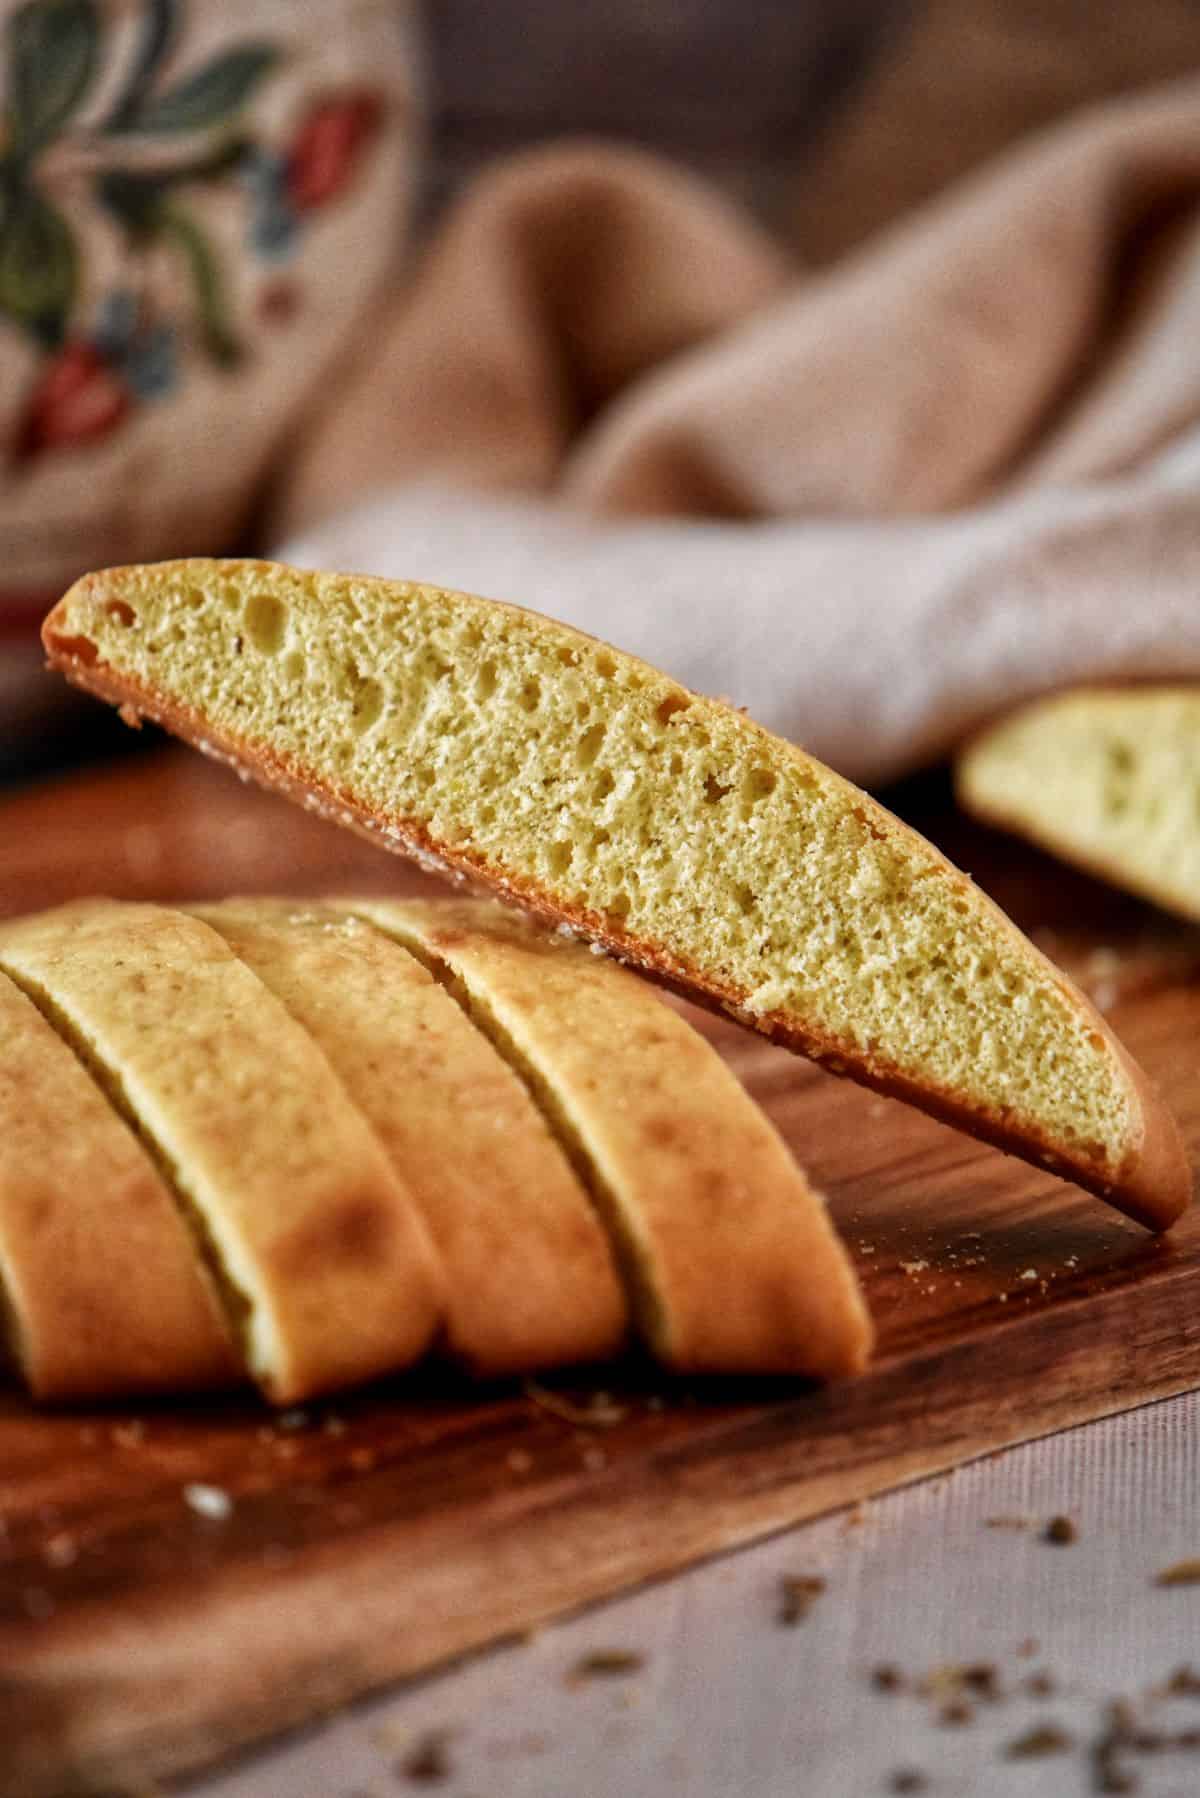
pixel 374 1536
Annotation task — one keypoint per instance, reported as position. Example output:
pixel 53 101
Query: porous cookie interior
pixel 582 776
pixel 1110 778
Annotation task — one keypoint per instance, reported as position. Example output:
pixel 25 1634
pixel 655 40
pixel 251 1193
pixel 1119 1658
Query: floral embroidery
pixel 160 140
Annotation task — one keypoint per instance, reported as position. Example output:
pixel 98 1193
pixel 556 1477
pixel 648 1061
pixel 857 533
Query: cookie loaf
pixel 666 827
pixel 1107 778
pixel 263 1137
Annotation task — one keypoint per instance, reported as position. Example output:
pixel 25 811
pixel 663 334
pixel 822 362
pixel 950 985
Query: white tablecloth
pixel 729 1703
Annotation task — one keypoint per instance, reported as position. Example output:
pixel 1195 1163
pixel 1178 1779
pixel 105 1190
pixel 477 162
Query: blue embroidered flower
pixel 116 323
pixel 151 362
pixel 274 225
pixel 142 350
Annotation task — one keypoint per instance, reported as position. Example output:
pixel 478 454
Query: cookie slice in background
pixel 1107 778
pixel 591 788
pixel 731 1261
pixel 323 1264
pixel 530 1280
pixel 99 1277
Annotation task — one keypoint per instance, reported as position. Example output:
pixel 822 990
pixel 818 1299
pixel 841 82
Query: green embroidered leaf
pixel 52 50
pixel 38 262
pixel 210 96
pixel 219 337
pixel 160 27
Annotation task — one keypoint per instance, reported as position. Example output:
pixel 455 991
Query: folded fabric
pixel 955 470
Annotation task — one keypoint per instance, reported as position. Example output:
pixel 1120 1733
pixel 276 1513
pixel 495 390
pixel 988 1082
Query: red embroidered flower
pixel 78 398
pixel 328 147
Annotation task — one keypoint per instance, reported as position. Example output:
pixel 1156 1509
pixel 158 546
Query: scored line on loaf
pixel 731 1260
pixel 529 1277
pixel 597 791
pixel 323 1265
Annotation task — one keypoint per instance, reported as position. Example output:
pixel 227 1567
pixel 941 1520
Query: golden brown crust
pixel 307 1227
pixel 733 1256
pixel 1154 1183
pixel 529 1278
pixel 105 1292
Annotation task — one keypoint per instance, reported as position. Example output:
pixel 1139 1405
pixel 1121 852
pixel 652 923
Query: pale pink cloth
pixel 875 506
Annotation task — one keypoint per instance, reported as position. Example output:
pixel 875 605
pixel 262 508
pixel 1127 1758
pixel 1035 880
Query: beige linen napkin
pixel 960 467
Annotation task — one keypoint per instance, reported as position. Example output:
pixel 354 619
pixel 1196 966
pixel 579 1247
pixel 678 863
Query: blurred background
pixel 226 227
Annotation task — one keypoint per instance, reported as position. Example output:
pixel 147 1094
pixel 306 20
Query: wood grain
pixel 377 1535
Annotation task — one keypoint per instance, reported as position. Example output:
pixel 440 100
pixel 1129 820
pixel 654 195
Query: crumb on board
pixel 1043 1739
pixel 908 1779
pixel 982 1680
pixel 606 1663
pixel 1061 1530
pixel 600 1411
pixel 887 1677
pixel 955 1713
pixel 208 1501
pixel 429 1762
pixel 1179 1573
pixel 955 1688
pixel 61 1550
pixel 798 1592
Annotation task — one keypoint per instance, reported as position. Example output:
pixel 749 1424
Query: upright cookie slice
pixel 530 1281
pixel 730 1257
pixel 324 1265
pixel 1108 778
pixel 668 827
pixel 98 1271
